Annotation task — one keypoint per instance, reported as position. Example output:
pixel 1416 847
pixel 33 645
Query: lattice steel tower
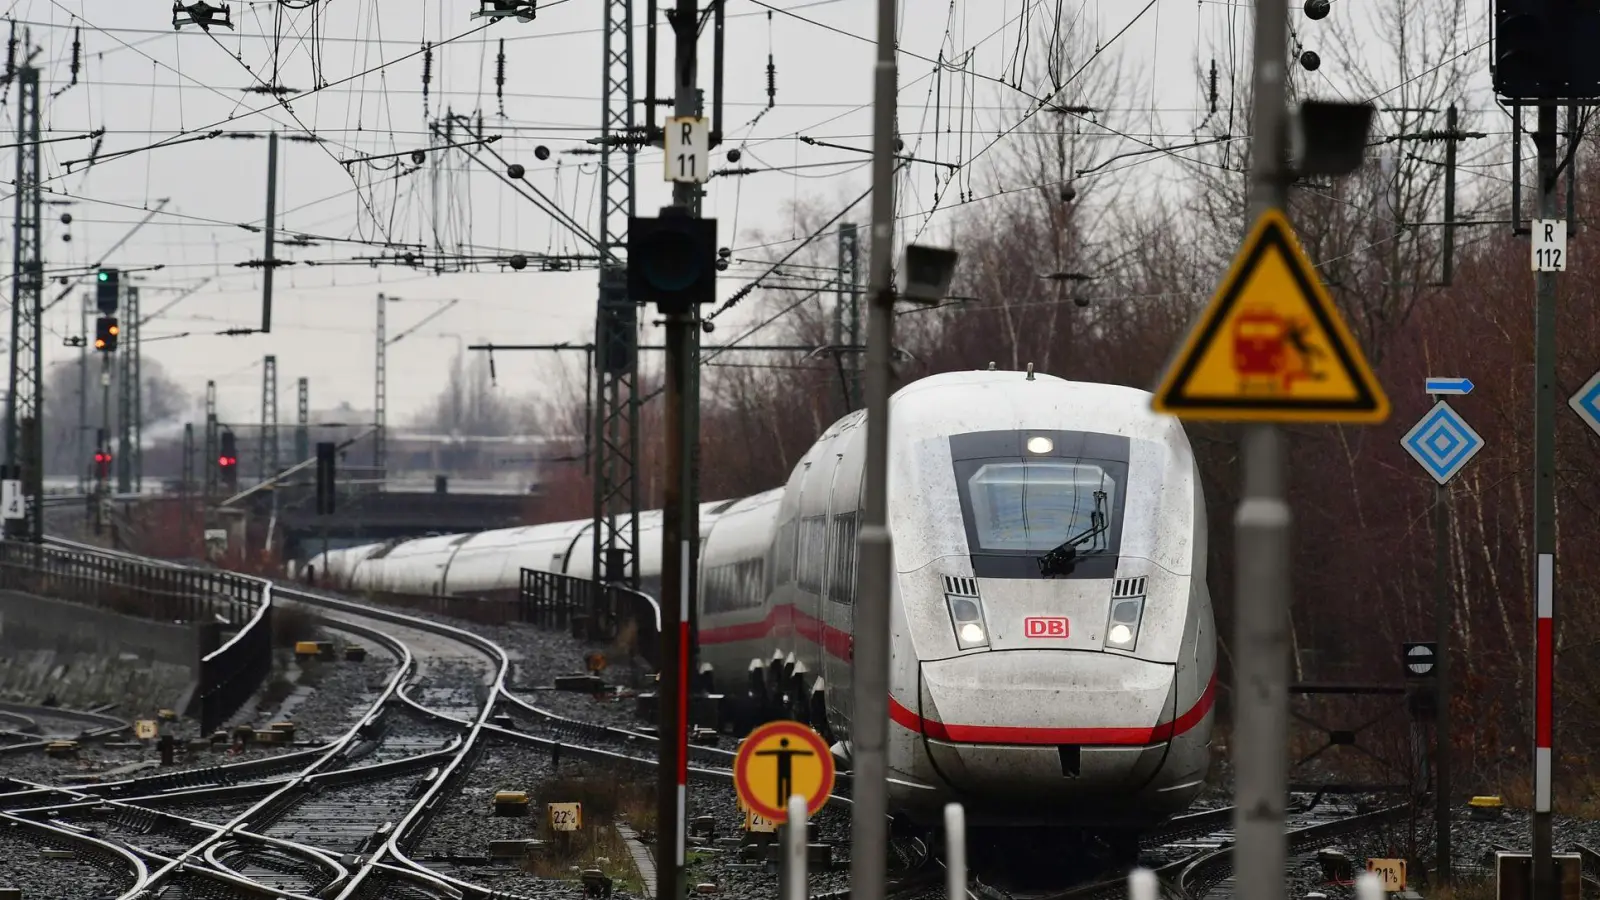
pixel 302 428
pixel 25 403
pixel 213 445
pixel 380 399
pixel 128 392
pixel 616 424
pixel 269 418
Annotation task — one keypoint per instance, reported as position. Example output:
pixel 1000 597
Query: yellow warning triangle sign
pixel 1270 346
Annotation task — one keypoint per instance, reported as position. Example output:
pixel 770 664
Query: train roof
pixel 984 400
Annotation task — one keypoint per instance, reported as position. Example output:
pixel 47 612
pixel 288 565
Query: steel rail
pixel 99 846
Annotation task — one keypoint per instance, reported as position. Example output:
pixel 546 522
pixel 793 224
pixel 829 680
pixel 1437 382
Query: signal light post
pixel 1544 57
pixel 672 263
pixel 106 331
pixel 228 462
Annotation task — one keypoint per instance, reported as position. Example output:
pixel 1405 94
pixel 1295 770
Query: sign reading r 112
pixel 688 149
pixel 1549 245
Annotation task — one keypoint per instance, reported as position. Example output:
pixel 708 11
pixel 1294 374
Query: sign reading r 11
pixel 1549 245
pixel 688 149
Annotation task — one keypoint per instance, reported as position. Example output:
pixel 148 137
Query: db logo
pixel 1045 626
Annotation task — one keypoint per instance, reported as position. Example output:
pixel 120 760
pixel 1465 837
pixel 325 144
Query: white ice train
pixel 1054 651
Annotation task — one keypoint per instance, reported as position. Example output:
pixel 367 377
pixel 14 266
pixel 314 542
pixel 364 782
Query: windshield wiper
pixel 1063 559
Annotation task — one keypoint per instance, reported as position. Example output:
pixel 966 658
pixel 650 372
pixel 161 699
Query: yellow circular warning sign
pixel 779 760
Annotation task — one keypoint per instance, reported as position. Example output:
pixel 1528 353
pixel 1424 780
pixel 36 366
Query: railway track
pixel 342 820
pixel 180 853
pixel 28 728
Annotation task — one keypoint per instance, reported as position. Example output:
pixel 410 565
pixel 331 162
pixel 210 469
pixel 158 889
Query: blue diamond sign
pixel 1442 442
pixel 1586 403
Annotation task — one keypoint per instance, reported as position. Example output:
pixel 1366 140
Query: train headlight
pixel 1123 630
pixel 966 616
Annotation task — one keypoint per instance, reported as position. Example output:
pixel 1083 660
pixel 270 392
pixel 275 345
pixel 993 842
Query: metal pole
pixel 672 700
pixel 1450 201
pixel 1544 520
pixel 955 851
pixel 1441 724
pixel 1261 526
pixel 794 851
pixel 268 263
pixel 869 725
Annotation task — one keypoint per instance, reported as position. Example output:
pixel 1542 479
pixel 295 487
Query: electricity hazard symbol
pixel 1270 346
pixel 777 761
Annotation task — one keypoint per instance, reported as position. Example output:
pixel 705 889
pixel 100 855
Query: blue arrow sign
pixel 1449 385
pixel 1586 403
pixel 1442 442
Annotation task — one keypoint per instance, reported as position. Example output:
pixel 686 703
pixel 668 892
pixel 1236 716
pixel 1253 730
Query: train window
pixel 1036 505
pixel 813 550
pixel 842 575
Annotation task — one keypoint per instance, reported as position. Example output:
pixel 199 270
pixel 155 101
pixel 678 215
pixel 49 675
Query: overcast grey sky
pixel 144 82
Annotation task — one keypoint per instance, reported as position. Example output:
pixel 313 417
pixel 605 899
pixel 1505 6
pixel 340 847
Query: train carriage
pixel 1053 646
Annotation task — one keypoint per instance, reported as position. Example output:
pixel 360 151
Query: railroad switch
pixel 1486 808
pixel 819 857
pixel 514 849
pixel 61 749
pixel 355 653
pixel 511 803
pixel 306 649
pixel 1336 867
pixel 580 684
pixel 167 715
pixel 704 826
pixel 596 883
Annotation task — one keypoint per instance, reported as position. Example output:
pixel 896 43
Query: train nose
pixel 1047 733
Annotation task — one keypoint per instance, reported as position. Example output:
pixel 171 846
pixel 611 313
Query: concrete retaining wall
pixel 85 656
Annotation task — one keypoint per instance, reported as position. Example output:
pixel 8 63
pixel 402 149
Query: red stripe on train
pixel 835 641
pixel 1011 734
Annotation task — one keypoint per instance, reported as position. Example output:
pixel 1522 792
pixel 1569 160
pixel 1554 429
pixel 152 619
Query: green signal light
pixel 105 276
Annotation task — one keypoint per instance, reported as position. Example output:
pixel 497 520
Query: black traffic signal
pixel 1544 50
pixel 672 260
pixel 108 284
pixel 228 461
pixel 326 452
pixel 106 330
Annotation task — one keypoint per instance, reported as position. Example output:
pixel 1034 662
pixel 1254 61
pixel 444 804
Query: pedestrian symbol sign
pixel 1270 346
pixel 777 761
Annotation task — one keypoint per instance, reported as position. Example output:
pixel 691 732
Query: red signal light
pixel 226 460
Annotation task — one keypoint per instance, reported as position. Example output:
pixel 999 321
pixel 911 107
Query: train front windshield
pixel 1025 494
